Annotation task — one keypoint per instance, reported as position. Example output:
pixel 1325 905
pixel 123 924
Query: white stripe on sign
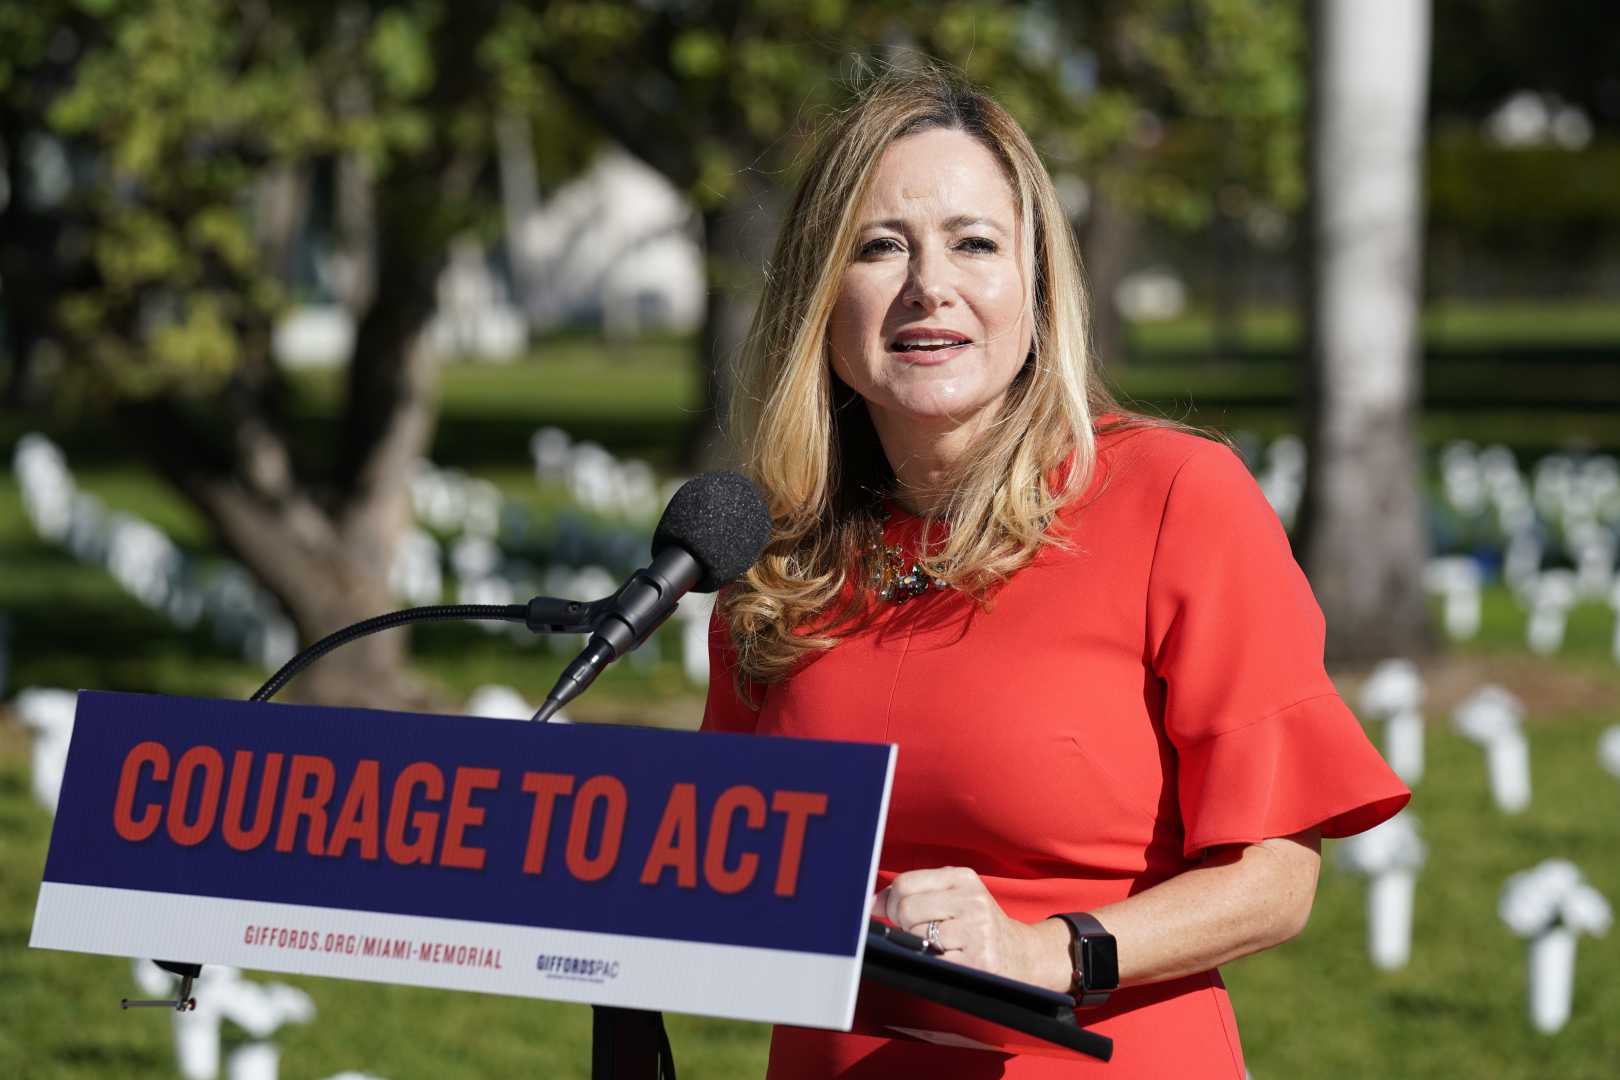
pixel 767 985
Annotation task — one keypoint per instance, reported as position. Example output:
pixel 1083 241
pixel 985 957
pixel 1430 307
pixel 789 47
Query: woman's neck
pixel 923 457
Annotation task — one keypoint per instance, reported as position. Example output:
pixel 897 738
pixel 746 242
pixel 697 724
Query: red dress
pixel 1151 690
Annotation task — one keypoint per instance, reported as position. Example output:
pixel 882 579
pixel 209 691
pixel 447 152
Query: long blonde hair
pixel 807 439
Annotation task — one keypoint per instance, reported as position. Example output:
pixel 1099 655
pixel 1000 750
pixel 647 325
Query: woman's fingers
pixel 917 895
pixel 972 929
pixel 953 897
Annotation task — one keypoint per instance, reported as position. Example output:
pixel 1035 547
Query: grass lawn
pixel 1314 1007
pixel 1444 324
pixel 1317 1007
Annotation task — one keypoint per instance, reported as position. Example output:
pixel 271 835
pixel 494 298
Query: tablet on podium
pixel 912 992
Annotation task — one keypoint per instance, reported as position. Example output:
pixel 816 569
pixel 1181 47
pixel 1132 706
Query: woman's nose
pixel 926 287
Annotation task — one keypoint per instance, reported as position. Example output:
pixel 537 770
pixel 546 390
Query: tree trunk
pixel 389 423
pixel 1362 536
pixel 1226 241
pixel 1107 239
pixel 326 569
pixel 738 236
pixel 326 554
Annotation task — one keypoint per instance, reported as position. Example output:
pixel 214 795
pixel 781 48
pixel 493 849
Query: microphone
pixel 712 531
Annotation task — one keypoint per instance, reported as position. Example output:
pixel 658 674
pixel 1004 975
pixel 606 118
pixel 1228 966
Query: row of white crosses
pixel 151 567
pixel 595 479
pixel 450 502
pixel 1281 477
pixel 1550 904
pixel 1577 497
pixel 604 484
pixel 1564 491
pixel 145 561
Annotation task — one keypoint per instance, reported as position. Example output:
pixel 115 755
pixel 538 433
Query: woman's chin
pixel 934 412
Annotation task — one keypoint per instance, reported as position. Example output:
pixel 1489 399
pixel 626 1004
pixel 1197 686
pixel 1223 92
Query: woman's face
pixel 931 322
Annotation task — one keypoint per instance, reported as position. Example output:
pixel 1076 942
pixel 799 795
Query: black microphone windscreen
pixel 720 517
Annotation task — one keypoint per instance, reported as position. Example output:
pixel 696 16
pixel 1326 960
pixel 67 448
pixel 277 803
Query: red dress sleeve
pixel 1266 748
pixel 725 711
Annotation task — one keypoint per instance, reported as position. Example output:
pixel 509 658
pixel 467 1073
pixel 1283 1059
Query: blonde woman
pixel 1084 629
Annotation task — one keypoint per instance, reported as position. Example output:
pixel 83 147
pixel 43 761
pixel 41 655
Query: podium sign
pixel 700 873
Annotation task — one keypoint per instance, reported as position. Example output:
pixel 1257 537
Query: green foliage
pixel 25 34
pixel 1186 98
pixel 1542 197
pixel 400 53
pixel 185 108
pixel 1226 80
pixel 178 104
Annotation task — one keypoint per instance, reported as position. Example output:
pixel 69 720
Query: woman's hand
pixel 1239 899
pixel 973 930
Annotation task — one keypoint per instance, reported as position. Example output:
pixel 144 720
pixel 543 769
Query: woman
pixel 1084 629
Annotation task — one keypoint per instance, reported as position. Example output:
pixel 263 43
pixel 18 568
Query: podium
pixel 632 869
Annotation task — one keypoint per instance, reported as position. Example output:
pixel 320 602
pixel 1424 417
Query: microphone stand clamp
pixel 183 1001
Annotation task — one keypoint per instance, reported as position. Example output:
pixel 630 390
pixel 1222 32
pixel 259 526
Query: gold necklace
pixel 896 578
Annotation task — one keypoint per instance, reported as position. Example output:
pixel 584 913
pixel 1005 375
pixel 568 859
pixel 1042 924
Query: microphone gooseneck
pixel 712 531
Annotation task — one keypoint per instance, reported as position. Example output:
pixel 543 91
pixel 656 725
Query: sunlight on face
pixel 931 321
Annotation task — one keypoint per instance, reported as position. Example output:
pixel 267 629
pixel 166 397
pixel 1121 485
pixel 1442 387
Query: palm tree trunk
pixel 1362 536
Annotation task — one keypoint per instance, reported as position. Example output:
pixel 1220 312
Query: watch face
pixel 1099 959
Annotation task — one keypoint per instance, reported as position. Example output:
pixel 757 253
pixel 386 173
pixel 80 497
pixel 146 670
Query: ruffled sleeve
pixel 1265 746
pixel 724 710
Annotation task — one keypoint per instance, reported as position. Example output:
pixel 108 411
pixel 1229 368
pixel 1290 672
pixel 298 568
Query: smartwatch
pixel 1093 956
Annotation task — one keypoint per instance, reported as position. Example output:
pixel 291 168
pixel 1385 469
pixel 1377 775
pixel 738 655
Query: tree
pixel 1157 104
pixel 194 119
pixel 196 127
pixel 1362 535
pixel 1196 121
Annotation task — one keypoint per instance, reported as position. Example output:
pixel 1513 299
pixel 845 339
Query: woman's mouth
pixel 923 348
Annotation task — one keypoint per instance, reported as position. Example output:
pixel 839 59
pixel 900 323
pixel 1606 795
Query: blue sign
pixel 621 833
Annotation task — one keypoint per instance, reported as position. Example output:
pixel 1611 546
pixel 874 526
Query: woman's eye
pixel 883 245
pixel 979 245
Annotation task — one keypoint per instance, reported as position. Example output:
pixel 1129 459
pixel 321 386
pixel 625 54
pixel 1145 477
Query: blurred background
pixel 313 310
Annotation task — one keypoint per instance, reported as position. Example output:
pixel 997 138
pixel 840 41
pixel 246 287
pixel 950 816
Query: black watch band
pixel 1093 956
